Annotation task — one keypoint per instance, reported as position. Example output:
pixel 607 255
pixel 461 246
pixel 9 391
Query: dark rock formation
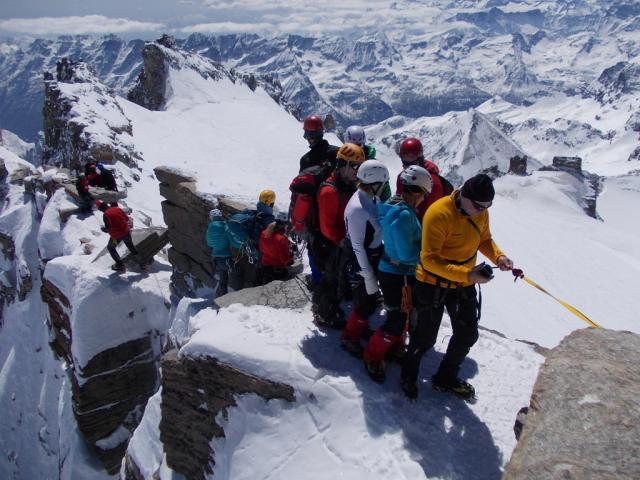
pixel 186 213
pixel 3 170
pixel 518 165
pixel 71 114
pixel 151 89
pixel 584 418
pixel 194 392
pixel 110 392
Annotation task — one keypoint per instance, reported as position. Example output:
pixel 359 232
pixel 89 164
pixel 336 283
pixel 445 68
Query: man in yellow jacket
pixel 454 229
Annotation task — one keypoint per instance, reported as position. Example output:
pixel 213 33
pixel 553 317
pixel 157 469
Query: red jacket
pixel 437 189
pixel 331 205
pixel 275 249
pixel 117 222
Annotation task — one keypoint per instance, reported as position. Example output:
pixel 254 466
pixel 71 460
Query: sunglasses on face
pixel 480 205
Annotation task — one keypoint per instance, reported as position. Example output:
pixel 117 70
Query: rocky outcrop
pixel 194 392
pixel 592 183
pixel 83 121
pixel 518 165
pixel 153 89
pixel 110 391
pixel 290 294
pixel 584 417
pixel 186 214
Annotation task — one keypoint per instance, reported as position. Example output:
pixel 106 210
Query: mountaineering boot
pixel 119 267
pixel 409 388
pixel 379 344
pixel 333 320
pixel 375 370
pixel 352 347
pixel 458 387
pixel 356 325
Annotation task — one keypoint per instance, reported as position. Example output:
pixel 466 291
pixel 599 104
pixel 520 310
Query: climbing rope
pixel 517 273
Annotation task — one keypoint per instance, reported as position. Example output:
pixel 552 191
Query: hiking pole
pixel 517 273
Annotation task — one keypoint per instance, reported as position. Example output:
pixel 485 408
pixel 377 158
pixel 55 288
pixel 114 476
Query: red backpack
pixel 303 210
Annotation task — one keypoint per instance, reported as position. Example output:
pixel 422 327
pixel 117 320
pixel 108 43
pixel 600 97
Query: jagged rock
pixel 290 294
pixel 3 170
pixel 194 392
pixel 584 418
pixel 19 174
pixel 172 176
pixel 592 182
pixel 186 214
pixel 77 116
pixel 110 387
pixel 518 165
pixel 572 165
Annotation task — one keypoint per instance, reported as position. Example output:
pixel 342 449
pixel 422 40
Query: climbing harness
pixel 518 273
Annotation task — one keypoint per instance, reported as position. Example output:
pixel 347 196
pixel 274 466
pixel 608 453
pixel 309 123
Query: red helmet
pixel 411 146
pixel 313 123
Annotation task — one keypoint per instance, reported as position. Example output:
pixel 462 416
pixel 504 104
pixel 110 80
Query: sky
pixel 148 18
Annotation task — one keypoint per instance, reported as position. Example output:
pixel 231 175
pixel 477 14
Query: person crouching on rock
pixel 116 224
pixel 275 252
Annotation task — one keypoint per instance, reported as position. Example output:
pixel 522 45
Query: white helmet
pixel 373 171
pixel 215 214
pixel 355 134
pixel 418 176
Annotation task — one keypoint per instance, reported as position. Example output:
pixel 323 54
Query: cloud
pixel 76 25
pixel 227 27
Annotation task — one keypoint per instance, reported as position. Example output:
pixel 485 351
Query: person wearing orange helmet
pixel 332 200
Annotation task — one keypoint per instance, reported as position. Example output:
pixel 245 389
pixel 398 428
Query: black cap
pixel 479 188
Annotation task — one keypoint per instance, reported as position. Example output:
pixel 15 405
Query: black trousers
pixel 325 293
pixel 430 300
pixel 113 243
pixel 391 286
pixel 269 274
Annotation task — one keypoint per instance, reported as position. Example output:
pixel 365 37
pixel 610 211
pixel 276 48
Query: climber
pixel 116 224
pixel 454 229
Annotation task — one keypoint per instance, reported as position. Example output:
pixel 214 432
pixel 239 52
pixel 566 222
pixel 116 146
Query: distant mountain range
pixel 472 52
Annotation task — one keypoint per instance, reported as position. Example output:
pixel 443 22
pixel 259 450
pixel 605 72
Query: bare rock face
pixel 186 213
pixel 291 294
pixel 194 392
pixel 584 418
pixel 151 90
pixel 83 121
pixel 111 390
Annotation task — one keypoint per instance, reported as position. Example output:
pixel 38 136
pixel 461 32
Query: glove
pixel 370 282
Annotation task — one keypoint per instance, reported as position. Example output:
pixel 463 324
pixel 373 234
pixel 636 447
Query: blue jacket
pixel 265 216
pixel 402 238
pixel 217 239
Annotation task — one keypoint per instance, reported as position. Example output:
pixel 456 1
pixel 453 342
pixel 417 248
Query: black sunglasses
pixel 481 205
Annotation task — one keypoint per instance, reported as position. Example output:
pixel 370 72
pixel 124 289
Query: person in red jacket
pixel 411 153
pixel 116 224
pixel 333 197
pixel 275 252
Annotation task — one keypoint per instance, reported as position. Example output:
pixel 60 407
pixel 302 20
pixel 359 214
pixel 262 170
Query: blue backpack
pixel 244 232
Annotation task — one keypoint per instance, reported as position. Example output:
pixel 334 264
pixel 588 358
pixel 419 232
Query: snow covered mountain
pixel 463 54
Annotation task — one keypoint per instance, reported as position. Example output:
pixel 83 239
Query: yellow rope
pixel 573 310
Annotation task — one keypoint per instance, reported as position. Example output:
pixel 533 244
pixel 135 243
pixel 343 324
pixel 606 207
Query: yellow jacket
pixel 449 238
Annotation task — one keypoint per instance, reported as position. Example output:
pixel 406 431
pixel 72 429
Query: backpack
pixel 303 210
pixel 243 231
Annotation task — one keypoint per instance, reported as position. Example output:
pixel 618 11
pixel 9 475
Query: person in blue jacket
pixel 402 236
pixel 218 242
